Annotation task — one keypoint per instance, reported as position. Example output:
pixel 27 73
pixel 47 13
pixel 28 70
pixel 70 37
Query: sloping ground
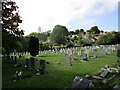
pixel 59 75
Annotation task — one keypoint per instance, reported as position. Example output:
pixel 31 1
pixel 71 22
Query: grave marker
pixel 68 61
pixel 42 67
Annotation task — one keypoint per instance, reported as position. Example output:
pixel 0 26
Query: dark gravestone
pixel 68 61
pixel 81 83
pixel 12 59
pixel 42 67
pixel 15 60
pixel 20 56
pixel 28 63
pixel 33 63
pixel 8 57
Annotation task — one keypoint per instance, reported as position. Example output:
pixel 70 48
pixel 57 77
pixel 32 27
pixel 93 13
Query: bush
pixel 69 45
pixel 33 46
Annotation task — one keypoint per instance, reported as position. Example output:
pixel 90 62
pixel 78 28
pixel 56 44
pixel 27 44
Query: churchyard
pixel 78 55
pixel 79 67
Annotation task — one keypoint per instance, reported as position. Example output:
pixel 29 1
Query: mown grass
pixel 58 76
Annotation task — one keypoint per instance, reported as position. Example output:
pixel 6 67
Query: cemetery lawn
pixel 59 75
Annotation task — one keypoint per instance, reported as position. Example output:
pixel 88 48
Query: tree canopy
pixel 59 35
pixel 10 23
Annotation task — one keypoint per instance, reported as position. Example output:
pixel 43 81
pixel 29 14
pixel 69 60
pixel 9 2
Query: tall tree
pixel 94 30
pixel 59 35
pixel 10 23
pixel 33 46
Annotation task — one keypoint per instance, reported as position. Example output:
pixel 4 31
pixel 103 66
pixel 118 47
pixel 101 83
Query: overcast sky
pixel 74 14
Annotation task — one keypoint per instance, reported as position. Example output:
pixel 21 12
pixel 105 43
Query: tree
pixel 81 30
pixel 77 31
pixel 80 40
pixel 33 46
pixel 59 35
pixel 102 39
pixel 10 23
pixel 94 30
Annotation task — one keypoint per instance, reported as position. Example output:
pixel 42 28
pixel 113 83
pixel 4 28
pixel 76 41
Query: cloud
pixel 48 13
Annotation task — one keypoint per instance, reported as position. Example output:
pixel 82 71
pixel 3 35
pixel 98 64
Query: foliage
pixel 109 38
pixel 43 36
pixel 24 41
pixel 44 46
pixel 59 35
pixel 69 45
pixel 94 30
pixel 10 20
pixel 10 23
pixel 33 46
pixel 80 40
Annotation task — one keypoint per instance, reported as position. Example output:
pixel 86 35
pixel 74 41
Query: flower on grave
pixel 25 66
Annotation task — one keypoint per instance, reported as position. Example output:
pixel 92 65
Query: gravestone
pixel 15 59
pixel 79 53
pixel 42 67
pixel 109 51
pixel 87 52
pixel 103 51
pixel 81 83
pixel 95 53
pixel 70 52
pixel 68 61
pixel 33 63
pixel 28 63
pixel 84 57
pixel 12 59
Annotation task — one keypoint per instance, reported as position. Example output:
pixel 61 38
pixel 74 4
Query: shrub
pixel 33 46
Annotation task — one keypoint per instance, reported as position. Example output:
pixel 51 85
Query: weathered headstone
pixel 12 59
pixel 15 59
pixel 70 52
pixel 87 52
pixel 103 51
pixel 28 63
pixel 42 67
pixel 95 53
pixel 81 83
pixel 33 63
pixel 68 61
